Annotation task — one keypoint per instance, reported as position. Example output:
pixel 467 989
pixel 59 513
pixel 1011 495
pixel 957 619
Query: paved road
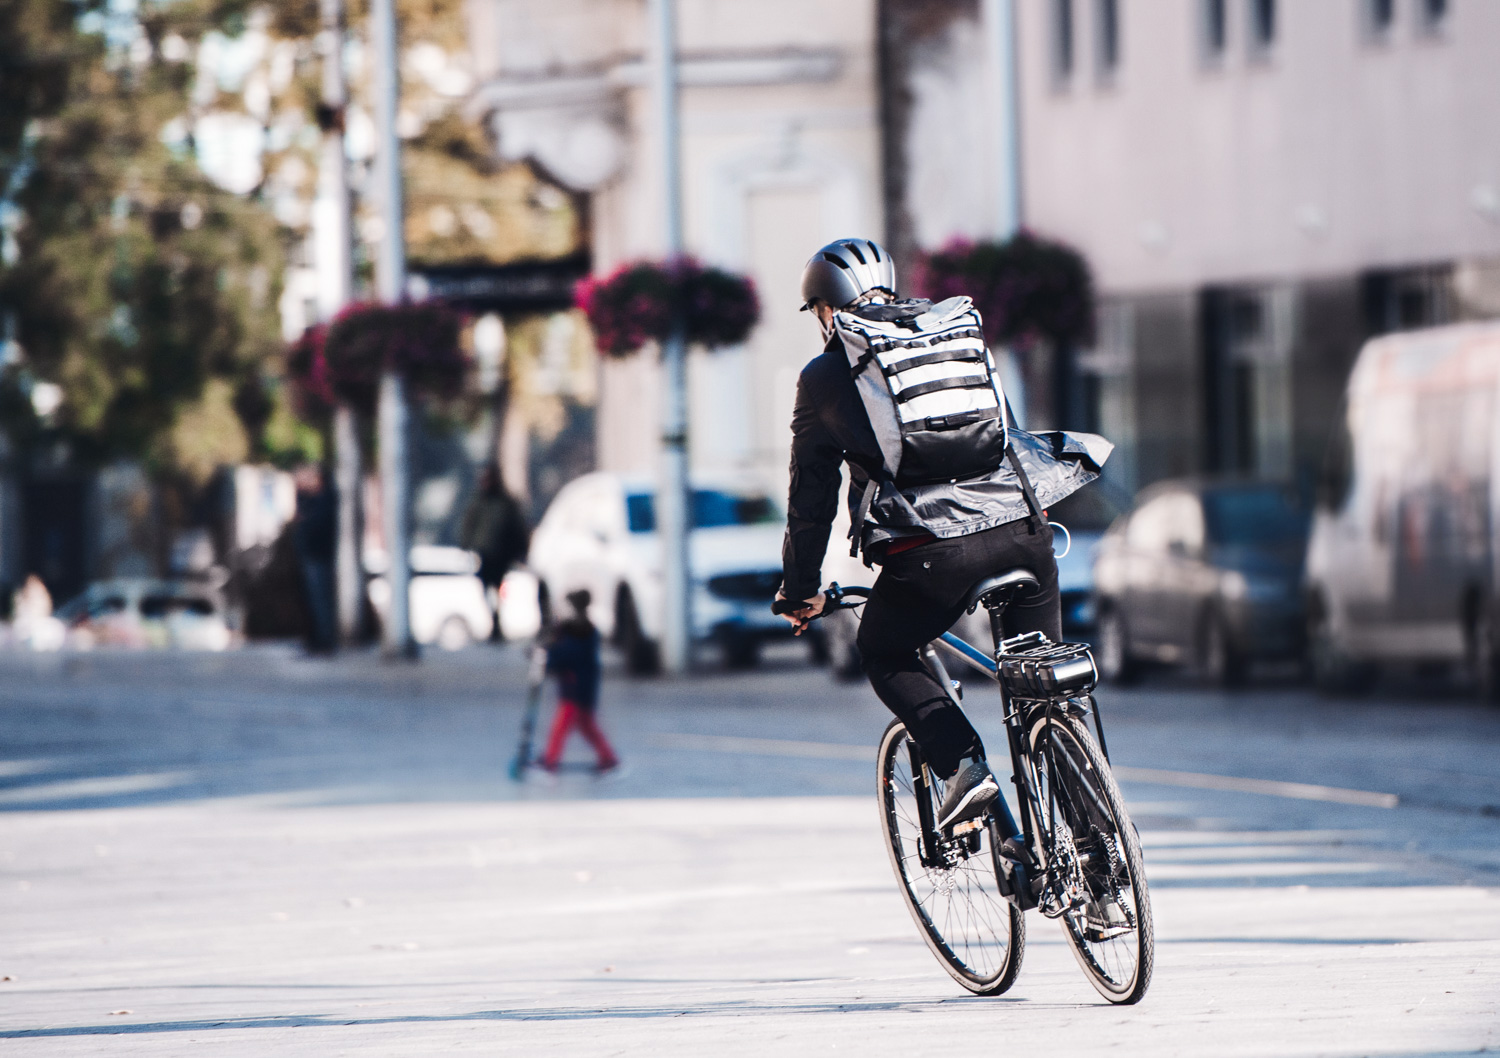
pixel 257 853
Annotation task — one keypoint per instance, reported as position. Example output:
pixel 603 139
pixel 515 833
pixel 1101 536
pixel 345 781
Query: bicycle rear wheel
pixel 977 935
pixel 1096 882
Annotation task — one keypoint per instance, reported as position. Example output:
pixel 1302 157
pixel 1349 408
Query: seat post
pixel 996 610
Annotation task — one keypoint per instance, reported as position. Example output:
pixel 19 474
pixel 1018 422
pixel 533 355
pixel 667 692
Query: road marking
pixel 1295 790
pixel 765 747
pixel 777 747
pixel 15 768
pixel 110 786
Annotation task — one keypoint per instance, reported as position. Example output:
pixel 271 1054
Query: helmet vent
pixel 854 249
pixel 838 261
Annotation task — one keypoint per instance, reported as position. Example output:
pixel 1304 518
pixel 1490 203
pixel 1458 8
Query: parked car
pixel 1204 573
pixel 1401 562
pixel 600 533
pixel 447 607
pixel 144 612
pixel 1087 514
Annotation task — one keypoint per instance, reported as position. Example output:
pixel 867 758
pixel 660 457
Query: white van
pixel 1400 564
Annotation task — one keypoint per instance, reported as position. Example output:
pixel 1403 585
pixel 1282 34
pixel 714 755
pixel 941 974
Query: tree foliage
pixel 133 282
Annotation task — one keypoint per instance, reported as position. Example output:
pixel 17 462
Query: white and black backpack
pixel 929 387
pixel 931 391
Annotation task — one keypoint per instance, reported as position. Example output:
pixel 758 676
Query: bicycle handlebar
pixel 835 598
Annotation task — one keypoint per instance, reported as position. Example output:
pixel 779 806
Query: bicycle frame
pixel 1019 882
pixel 1022 880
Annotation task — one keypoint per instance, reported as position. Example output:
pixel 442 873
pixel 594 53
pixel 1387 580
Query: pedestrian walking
pixel 494 527
pixel 315 533
pixel 573 657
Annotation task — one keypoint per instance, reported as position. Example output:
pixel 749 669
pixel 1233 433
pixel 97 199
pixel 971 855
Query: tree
pixel 140 288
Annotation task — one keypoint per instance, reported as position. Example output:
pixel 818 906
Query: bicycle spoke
pixel 957 904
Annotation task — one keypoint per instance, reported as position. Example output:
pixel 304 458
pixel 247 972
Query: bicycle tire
pixel 1088 801
pixel 978 936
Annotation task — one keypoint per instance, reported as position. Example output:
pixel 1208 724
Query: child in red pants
pixel 573 658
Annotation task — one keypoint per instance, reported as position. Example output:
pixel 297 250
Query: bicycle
pixel 1077 857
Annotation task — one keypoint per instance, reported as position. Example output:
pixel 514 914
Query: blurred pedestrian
pixel 315 534
pixel 573 657
pixel 494 527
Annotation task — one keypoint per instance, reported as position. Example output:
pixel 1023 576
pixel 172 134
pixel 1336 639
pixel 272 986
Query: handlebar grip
pixel 786 606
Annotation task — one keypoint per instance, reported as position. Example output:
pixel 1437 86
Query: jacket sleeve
pixel 814 495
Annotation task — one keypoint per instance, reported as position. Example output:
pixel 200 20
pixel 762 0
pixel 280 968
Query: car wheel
pixel 1220 660
pixel 817 645
pixel 1484 653
pixel 1113 654
pixel 842 632
pixel 1331 669
pixel 641 655
pixel 740 651
pixel 544 603
pixel 453 634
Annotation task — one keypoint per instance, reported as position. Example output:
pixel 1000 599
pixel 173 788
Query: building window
pixel 1062 39
pixel 1107 36
pixel 1214 29
pixel 1408 298
pixel 1434 15
pixel 1262 25
pixel 1378 17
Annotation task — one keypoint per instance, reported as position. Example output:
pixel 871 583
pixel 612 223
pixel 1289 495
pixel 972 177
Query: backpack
pixel 929 387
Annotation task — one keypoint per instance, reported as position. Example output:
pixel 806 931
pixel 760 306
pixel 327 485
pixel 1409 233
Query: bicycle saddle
pixel 1009 582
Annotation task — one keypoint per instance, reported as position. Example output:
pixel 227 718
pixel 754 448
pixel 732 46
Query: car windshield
pixel 156 607
pixel 1253 517
pixel 712 509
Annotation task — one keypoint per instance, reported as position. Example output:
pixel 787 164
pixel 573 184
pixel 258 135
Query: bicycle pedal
pixel 960 829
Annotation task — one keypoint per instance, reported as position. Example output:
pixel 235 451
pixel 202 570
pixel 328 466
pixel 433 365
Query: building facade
pixel 1259 186
pixel 780 137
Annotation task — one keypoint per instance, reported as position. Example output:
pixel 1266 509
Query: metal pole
pixel 672 502
pixel 390 283
pixel 333 253
pixel 1000 27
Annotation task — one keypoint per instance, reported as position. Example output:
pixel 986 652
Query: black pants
pixel 918 596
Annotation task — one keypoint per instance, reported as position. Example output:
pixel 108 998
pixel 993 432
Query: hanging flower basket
pixel 638 303
pixel 1026 288
pixel 344 360
pixel 307 371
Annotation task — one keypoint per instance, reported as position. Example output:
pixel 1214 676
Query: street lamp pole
pixel 1000 29
pixel 390 281
pixel 672 498
pixel 333 253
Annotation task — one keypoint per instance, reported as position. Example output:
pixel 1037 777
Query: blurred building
pixel 1259 186
pixel 781 152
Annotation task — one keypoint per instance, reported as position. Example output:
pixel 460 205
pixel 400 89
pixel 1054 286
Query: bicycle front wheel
pixel 1094 880
pixel 950 890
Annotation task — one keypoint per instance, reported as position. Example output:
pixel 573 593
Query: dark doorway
pixel 55 534
pixel 1232 321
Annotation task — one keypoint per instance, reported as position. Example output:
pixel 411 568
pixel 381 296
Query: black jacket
pixel 830 428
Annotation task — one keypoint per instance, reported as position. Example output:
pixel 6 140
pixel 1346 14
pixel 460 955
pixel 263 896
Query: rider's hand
pixel 800 618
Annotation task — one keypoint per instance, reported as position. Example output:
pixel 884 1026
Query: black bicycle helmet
pixel 843 270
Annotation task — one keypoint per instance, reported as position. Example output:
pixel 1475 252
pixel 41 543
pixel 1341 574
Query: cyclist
pixel 933 542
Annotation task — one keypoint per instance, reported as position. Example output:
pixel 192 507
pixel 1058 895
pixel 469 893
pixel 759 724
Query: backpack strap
pixel 856 527
pixel 1035 520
